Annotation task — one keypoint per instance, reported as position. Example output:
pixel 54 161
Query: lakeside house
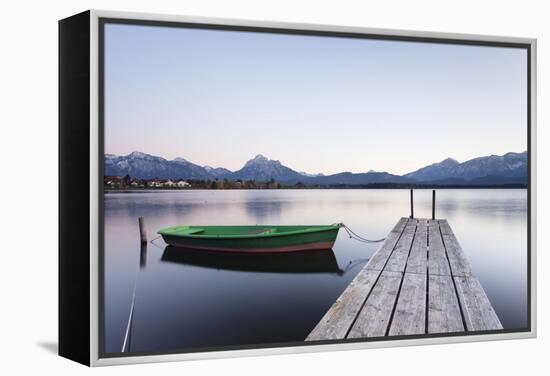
pixel 118 182
pixel 154 184
pixel 127 182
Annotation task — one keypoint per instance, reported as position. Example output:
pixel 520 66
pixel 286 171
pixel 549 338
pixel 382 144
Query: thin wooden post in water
pixel 433 204
pixel 412 204
pixel 142 231
pixel 143 255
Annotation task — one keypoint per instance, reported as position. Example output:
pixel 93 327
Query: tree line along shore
pixel 127 183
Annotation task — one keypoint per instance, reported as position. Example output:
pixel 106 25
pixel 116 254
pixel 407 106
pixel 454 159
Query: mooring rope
pixel 126 343
pixel 354 235
pixel 155 244
pixel 352 264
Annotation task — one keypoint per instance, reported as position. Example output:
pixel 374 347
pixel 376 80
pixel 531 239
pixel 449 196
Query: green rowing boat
pixel 252 239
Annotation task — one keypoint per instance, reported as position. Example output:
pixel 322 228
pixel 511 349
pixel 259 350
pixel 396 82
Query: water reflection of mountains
pixel 323 261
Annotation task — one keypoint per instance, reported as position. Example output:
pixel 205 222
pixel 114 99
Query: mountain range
pixel 510 168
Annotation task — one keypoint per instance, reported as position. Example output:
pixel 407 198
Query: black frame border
pixel 74 204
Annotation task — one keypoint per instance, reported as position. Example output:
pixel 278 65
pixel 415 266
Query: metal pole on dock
pixel 142 231
pixel 433 204
pixel 412 204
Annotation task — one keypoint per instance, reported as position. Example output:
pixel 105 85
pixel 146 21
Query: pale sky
pixel 317 104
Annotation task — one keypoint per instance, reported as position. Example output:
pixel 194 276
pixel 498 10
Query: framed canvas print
pixel 232 188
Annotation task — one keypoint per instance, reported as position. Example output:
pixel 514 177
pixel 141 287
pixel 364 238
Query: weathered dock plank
pixel 478 312
pixel 399 256
pixel 379 259
pixel 460 266
pixel 374 317
pixel 410 312
pixel 418 258
pixel 337 321
pixel 418 282
pixel 443 308
pixel 438 264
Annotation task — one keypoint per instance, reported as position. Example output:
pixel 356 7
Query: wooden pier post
pixel 433 204
pixel 142 231
pixel 412 204
pixel 143 255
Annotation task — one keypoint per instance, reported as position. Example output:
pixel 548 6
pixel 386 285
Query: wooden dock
pixel 418 282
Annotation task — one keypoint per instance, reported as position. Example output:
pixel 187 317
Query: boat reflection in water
pixel 323 261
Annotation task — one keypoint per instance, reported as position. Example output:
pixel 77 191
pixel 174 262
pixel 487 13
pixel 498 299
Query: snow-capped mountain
pixel 362 178
pixel 509 165
pixel 261 168
pixel 218 172
pixel 145 166
pixel 510 168
pixel 435 171
pixel 310 175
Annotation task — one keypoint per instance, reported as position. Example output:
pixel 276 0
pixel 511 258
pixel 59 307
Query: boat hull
pixel 320 238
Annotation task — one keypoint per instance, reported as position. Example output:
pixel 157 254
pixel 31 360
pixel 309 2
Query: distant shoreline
pixel 166 189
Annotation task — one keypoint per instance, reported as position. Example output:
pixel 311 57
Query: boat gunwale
pixel 320 228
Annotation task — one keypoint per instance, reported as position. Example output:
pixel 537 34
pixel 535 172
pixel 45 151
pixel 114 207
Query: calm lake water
pixel 193 300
